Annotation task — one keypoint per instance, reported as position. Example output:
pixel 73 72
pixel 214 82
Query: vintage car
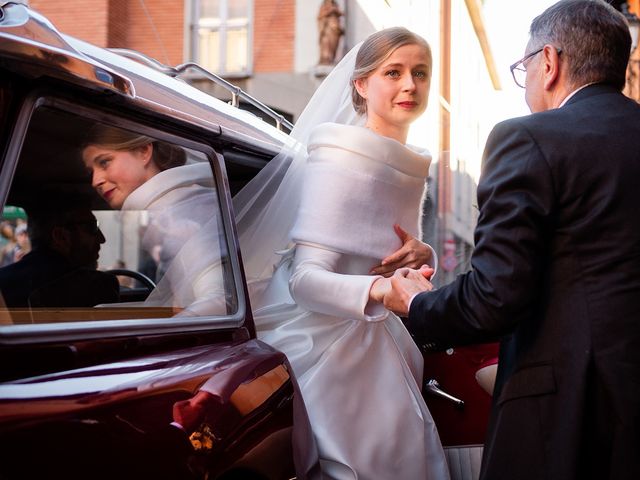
pixel 98 381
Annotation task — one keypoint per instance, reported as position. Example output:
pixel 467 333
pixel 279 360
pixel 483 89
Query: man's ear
pixel 361 86
pixel 550 66
pixel 61 240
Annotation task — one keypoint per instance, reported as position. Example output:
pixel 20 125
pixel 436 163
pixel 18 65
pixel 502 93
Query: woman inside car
pixel 134 172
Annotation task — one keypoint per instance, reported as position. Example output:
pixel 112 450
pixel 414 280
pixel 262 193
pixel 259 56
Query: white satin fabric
pixel 181 204
pixel 358 368
pixel 365 183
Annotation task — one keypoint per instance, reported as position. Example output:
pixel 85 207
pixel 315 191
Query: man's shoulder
pixel 516 128
pixel 82 287
pixel 584 103
pixel 24 265
pixel 539 125
pixel 513 122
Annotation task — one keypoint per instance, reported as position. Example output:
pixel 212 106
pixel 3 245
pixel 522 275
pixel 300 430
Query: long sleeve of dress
pixel 315 285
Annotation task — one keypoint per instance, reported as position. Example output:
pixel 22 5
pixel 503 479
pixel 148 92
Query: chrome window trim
pixel 25 34
pixel 193 106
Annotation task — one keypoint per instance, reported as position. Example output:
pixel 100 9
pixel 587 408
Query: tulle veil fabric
pixel 265 209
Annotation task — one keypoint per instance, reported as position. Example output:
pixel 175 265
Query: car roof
pixel 30 45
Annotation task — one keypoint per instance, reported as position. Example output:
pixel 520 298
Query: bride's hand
pixel 383 286
pixel 379 288
pixel 413 254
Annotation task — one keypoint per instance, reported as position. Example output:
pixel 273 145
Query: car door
pixel 137 385
pixel 457 389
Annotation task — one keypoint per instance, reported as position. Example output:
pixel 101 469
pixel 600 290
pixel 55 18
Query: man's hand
pixel 413 254
pixel 190 413
pixel 405 283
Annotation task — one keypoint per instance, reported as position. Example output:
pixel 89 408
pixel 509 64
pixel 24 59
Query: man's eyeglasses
pixel 519 70
pixel 89 226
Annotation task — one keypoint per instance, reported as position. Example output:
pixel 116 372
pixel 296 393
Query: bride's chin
pixel 115 204
pixel 407 116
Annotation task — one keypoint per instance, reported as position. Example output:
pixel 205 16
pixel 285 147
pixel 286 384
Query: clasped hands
pixel 405 273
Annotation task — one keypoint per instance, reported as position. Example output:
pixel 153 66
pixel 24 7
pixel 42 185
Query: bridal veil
pixel 265 209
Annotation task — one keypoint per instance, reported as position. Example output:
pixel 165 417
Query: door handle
pixel 433 387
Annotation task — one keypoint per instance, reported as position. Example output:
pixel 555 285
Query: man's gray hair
pixel 594 38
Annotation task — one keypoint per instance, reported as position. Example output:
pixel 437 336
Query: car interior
pixel 51 182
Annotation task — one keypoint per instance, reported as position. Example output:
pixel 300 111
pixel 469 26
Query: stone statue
pixel 329 31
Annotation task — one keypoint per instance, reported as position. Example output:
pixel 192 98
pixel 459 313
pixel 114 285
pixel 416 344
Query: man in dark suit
pixel 556 267
pixel 60 270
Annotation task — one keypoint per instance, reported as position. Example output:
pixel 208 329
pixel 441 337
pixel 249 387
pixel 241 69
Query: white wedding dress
pixel 357 366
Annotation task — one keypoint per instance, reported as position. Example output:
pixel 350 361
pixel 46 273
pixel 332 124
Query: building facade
pixel 272 50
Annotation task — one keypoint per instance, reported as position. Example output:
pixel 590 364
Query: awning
pixel 11 213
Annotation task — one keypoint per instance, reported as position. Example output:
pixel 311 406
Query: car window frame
pixel 88 330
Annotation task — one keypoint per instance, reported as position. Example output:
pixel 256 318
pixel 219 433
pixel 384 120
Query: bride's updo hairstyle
pixel 165 155
pixel 375 50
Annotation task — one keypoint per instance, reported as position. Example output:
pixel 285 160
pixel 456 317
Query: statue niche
pixel 329 30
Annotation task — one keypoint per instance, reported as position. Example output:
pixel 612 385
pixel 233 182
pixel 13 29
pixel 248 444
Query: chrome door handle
pixel 433 387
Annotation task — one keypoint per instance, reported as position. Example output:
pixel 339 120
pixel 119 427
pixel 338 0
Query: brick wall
pixel 127 24
pixel 273 35
pixel 116 25
pixel 84 20
pixel 166 41
pixel 156 31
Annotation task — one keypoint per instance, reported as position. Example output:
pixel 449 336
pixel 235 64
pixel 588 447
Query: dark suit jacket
pixel 556 274
pixel 43 278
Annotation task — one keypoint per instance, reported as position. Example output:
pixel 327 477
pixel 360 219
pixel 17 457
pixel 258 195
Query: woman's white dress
pixel 358 368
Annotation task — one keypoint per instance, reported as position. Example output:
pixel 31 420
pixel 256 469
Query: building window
pixel 221 35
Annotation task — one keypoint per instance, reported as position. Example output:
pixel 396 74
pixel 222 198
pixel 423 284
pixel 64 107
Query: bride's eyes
pixel 397 74
pixel 103 162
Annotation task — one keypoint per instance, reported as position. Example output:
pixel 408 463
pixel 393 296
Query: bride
pixel 331 212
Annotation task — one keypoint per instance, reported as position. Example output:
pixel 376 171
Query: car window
pixel 105 223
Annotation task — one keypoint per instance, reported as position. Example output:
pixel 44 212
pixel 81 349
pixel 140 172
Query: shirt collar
pixel 568 97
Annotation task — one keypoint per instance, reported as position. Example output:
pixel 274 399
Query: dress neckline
pixel 408 159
